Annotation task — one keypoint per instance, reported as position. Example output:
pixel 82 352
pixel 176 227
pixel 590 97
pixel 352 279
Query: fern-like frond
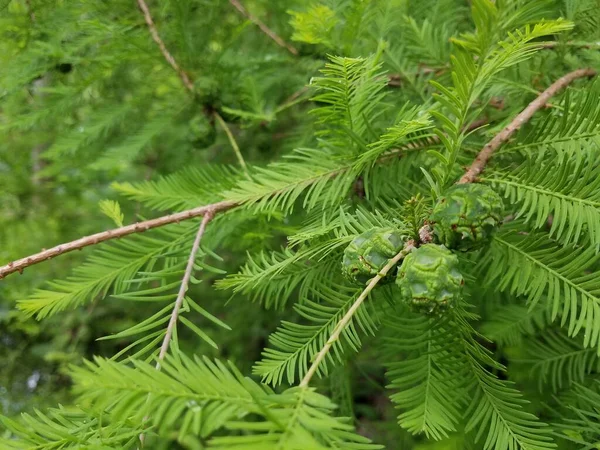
pixel 152 329
pixel 499 408
pixel 471 77
pixel 345 223
pixel 321 176
pixel 314 25
pixel 352 92
pixel 312 258
pixel 410 130
pixel 127 150
pixel 185 189
pixel 62 428
pixel 100 124
pixel 426 42
pixel 297 419
pixel 293 345
pixel 521 44
pixel 441 362
pixel 195 395
pixel 422 368
pixel 200 396
pixel 575 120
pixel 564 186
pixel 517 13
pixel 509 324
pixel 558 360
pixel 271 278
pixel 533 265
pixel 580 422
pixel 495 406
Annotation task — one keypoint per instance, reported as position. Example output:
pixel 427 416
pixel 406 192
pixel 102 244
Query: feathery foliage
pixel 533 265
pixel 304 125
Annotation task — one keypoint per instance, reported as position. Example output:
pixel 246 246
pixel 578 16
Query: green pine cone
pixel 429 279
pixel 466 217
pixel 369 252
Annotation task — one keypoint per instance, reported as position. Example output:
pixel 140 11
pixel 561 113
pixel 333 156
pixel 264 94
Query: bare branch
pixel 185 282
pixel 19 265
pixel 154 32
pixel 265 29
pixel 344 321
pixel 233 143
pixel 488 150
pixel 586 45
pixel 184 287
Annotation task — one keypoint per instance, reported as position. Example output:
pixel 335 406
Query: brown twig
pixel 19 265
pixel 587 45
pixel 233 143
pixel 292 98
pixel 185 282
pixel 344 321
pixel 265 29
pixel 154 32
pixel 184 287
pixel 488 150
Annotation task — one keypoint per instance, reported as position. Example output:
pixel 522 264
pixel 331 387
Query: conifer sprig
pixel 488 150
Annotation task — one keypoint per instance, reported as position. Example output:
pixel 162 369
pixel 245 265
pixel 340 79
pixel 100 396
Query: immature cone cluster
pixel 369 252
pixel 466 216
pixel 429 279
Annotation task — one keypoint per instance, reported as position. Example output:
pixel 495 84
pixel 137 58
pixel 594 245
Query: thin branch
pixel 233 143
pixel 344 321
pixel 19 265
pixel 265 29
pixel 185 282
pixel 293 99
pixel 488 150
pixel 163 48
pixel 184 287
pixel 586 45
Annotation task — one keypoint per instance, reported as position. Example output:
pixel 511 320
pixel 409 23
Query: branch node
pixel 425 234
